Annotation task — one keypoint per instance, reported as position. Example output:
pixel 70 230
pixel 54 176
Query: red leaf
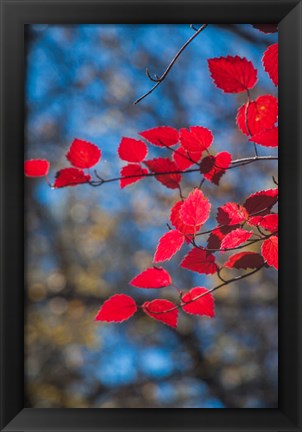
pixel 244 260
pixel 232 74
pixel 162 310
pixel 266 28
pixel 182 158
pixel 178 223
pixel 231 214
pixel 270 62
pixel 200 261
pixel 218 234
pixel 131 173
pixel 258 115
pixel 165 165
pixel 168 245
pixel 162 136
pixel 195 141
pixel 235 238
pixel 83 154
pixel 213 167
pixel 154 277
pixel 269 250
pixel 36 167
pixel 132 150
pixel 269 222
pixel 260 203
pixel 199 302
pixel 70 177
pixel 267 138
pixel 117 308
pixel 196 208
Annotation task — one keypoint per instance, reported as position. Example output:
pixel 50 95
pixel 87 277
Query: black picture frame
pixel 14 15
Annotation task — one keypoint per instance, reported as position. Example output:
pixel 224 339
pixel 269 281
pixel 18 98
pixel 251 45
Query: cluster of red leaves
pixel 120 307
pixel 190 215
pixel 81 154
pixel 192 146
pixel 238 225
pixel 256 118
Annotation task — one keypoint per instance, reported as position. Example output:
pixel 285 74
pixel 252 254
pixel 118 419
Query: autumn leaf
pixel 83 154
pixel 269 250
pixel 256 116
pixel 132 150
pixel 232 74
pixel 168 245
pixel 195 141
pixel 214 167
pixel 117 308
pixel 270 62
pixel 70 177
pixel 162 136
pixel 261 202
pixel 231 214
pixel 178 223
pixel 199 302
pixel 200 261
pixel 245 260
pixel 165 166
pixel 196 208
pixel 131 173
pixel 154 277
pixel 235 238
pixel 267 138
pixel 36 167
pixel 162 310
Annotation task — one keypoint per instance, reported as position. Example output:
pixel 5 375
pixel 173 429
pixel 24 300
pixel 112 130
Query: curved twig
pixel 160 79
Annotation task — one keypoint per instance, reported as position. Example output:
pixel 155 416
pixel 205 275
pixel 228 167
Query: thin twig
pixel 160 79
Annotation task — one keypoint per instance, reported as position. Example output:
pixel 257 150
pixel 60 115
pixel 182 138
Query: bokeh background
pixel 84 244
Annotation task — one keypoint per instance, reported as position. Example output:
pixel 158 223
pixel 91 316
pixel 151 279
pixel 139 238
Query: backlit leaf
pixel 258 115
pixel 232 74
pixel 168 245
pixel 165 166
pixel 182 158
pixel 162 310
pixel 178 223
pixel 117 308
pixel 131 173
pixel 199 302
pixel 83 154
pixel 217 235
pixel 36 167
pixel 213 167
pixel 132 150
pixel 70 177
pixel 270 62
pixel 162 136
pixel 196 208
pixel 231 214
pixel 235 238
pixel 154 277
pixel 267 138
pixel 200 261
pixel 269 250
pixel 195 141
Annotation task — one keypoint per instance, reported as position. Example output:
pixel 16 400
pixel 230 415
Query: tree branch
pixel 160 79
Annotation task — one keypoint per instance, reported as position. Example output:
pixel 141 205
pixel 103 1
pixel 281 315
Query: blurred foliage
pixel 84 244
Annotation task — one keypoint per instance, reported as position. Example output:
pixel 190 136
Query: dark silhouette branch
pixel 160 79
